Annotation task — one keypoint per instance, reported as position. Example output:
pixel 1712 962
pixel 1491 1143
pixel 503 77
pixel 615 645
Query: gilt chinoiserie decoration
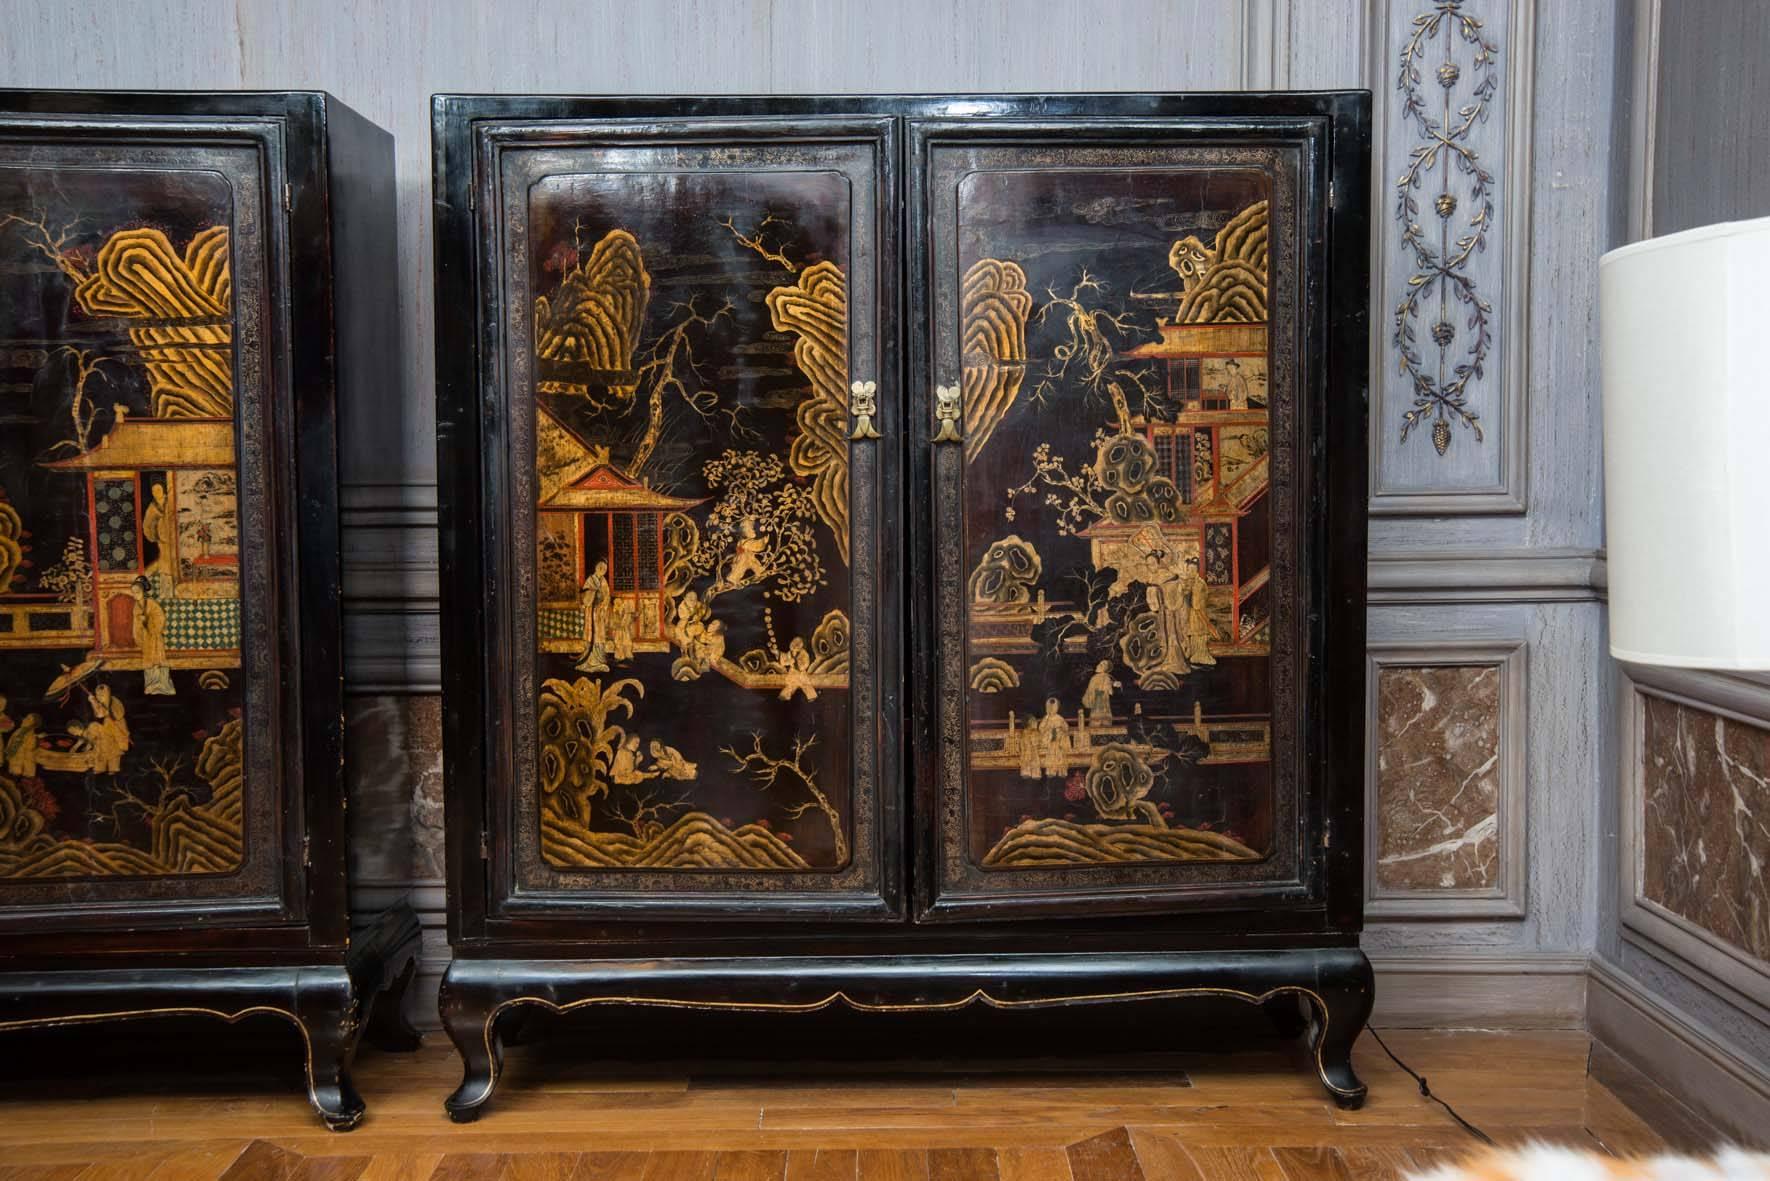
pixel 836 622
pixel 120 583
pixel 1116 543
pixel 168 759
pixel 682 344
pixel 692 521
pixel 1118 520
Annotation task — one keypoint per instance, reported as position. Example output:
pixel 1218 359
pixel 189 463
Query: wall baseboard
pixel 1440 990
pixel 1680 1054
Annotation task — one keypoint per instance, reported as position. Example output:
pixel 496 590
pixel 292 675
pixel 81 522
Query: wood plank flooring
pixel 1254 1114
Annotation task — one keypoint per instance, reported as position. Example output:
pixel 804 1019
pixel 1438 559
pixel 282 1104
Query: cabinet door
pixel 1120 379
pixel 687 462
pixel 147 704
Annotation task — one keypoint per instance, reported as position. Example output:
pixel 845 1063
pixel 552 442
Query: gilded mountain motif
pixel 995 305
pixel 815 311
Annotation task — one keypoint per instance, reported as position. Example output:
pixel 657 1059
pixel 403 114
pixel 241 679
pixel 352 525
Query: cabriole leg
pixel 468 1016
pixel 1341 1007
pixel 328 1016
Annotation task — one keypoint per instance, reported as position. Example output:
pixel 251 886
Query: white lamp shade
pixel 1685 334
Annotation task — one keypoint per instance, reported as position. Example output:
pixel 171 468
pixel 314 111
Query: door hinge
pixel 307 851
pixel 1333 195
pixel 485 845
pixel 1327 836
pixel 288 200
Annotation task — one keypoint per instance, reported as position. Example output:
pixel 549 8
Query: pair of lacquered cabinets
pixel 899 555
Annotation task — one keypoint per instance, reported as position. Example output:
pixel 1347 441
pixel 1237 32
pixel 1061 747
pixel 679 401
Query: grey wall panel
pixel 1710 161
pixel 1562 759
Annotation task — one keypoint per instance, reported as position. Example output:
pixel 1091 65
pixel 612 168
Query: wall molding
pixel 1266 44
pixel 1487 576
pixel 1509 496
pixel 1712 961
pixel 1440 990
pixel 1507 898
pixel 1680 1053
pixel 1643 118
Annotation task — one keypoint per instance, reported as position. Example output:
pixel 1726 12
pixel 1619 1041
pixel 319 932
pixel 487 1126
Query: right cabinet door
pixel 1117 352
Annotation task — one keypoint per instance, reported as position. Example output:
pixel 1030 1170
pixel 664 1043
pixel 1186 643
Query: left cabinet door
pixel 150 690
pixel 676 435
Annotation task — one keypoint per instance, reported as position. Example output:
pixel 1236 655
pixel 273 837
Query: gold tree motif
pixel 81 410
pixel 1085 347
pixel 578 742
pixel 668 367
pixel 757 242
pixel 56 245
pixel 765 771
pixel 1441 278
pixel 759 501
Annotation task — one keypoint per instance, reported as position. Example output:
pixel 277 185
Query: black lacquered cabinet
pixel 188 284
pixel 902 554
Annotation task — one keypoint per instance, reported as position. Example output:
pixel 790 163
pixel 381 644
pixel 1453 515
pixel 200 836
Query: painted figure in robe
pixel 1054 740
pixel 149 626
pixel 594 598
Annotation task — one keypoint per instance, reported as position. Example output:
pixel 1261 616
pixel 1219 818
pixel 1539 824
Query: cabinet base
pixel 331 1004
pixel 1334 983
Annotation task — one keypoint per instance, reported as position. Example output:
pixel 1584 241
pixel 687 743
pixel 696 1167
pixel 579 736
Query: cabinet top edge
pixel 1347 103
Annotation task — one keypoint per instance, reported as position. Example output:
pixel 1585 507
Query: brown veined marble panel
pixel 393 761
pixel 1706 821
pixel 1438 777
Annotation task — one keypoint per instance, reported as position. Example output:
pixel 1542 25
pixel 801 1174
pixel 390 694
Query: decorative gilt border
pixel 1645 923
pixel 1509 426
pixel 1506 899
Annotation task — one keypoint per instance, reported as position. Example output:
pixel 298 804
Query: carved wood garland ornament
pixel 1443 302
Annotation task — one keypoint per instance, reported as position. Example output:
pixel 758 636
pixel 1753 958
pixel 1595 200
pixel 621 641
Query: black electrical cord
pixel 1427 1091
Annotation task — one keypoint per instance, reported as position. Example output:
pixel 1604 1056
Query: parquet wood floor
pixel 1253 1114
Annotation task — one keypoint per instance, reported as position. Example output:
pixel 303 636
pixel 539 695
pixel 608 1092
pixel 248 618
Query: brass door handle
pixel 863 403
pixel 946 412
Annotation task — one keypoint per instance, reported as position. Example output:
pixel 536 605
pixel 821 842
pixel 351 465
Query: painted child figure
pixel 746 564
pixel 669 763
pixel 625 767
pixel 796 663
pixel 620 629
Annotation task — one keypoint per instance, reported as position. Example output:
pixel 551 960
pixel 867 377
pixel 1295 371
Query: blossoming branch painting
pixel 1113 411
pixel 120 697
